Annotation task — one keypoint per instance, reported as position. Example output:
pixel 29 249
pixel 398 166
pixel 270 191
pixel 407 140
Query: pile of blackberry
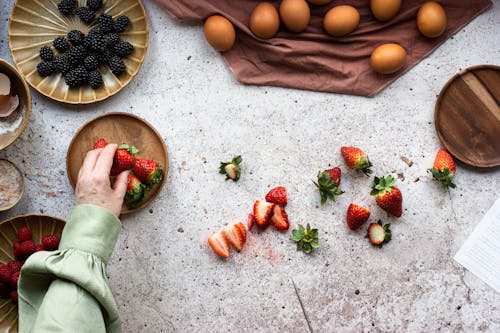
pixel 80 56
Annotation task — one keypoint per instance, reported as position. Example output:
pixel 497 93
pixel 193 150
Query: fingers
pixel 120 186
pixel 105 160
pixel 89 161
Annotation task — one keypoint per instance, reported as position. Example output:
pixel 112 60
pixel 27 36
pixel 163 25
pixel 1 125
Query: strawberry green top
pixel 67 290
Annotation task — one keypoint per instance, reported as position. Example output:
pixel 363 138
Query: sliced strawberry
pixel 236 235
pixel 251 221
pixel 280 218
pixel 277 196
pixel 101 143
pixel 218 242
pixel 262 211
pixel 379 234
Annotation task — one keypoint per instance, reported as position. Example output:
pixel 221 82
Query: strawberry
pixel 136 191
pixel 262 211
pixel 124 159
pixel 236 235
pixel 251 221
pixel 277 196
pixel 219 243
pixel 231 169
pixel 101 143
pixel 356 216
pixel 14 279
pixel 356 159
pixel 14 296
pixel 328 184
pixel 279 218
pixel 388 196
pixel 379 234
pixel 444 169
pixel 14 265
pixel 27 248
pixel 5 274
pixel 50 242
pixel 148 171
pixel 24 234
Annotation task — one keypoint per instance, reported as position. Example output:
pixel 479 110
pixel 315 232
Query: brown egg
pixel 319 2
pixel 341 20
pixel 264 21
pixel 431 19
pixel 295 14
pixel 388 58
pixel 219 32
pixel 384 10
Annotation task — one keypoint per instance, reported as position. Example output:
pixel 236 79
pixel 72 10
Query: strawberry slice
pixel 251 221
pixel 218 242
pixel 262 211
pixel 379 233
pixel 236 235
pixel 280 218
pixel 277 196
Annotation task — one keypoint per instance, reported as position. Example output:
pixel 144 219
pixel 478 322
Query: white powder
pixel 11 184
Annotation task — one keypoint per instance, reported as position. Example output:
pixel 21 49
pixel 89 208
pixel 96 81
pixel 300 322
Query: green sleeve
pixel 67 290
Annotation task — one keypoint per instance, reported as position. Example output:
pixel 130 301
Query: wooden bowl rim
pixel 97 99
pixel 25 122
pixel 437 110
pixel 23 187
pixel 116 113
pixel 25 216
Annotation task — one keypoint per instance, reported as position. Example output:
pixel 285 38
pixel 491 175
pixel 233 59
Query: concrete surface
pixel 164 275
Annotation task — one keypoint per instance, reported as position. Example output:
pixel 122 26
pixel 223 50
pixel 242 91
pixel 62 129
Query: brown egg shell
pixel 264 21
pixel 388 58
pixel 385 10
pixel 431 19
pixel 341 20
pixel 219 32
pixel 295 14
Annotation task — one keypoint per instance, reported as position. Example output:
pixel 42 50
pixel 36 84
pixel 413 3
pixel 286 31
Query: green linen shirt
pixel 67 290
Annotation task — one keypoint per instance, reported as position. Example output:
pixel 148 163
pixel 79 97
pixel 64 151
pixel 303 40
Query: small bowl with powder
pixel 11 185
pixel 15 104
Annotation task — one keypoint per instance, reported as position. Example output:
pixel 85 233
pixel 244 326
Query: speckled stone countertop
pixel 164 275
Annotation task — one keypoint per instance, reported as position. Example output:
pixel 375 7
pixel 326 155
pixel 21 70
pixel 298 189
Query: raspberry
pixel 14 265
pixel 50 242
pixel 27 248
pixel 14 279
pixel 5 274
pixel 14 296
pixel 24 234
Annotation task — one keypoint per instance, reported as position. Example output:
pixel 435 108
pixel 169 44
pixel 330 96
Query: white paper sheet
pixel 481 252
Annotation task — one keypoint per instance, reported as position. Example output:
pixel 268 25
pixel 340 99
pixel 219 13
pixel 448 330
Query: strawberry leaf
pixel 306 238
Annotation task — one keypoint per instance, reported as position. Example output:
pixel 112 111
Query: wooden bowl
pixel 20 88
pixel 9 170
pixel 34 24
pixel 467 116
pixel 39 225
pixel 119 127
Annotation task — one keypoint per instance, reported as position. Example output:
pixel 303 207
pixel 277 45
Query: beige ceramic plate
pixel 118 127
pixel 39 225
pixel 35 23
pixel 22 115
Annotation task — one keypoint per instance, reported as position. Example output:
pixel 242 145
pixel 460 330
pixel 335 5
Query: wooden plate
pixel 34 24
pixel 20 88
pixel 467 116
pixel 118 127
pixel 39 225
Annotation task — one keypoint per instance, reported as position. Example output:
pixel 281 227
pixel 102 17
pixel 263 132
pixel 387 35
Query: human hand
pixel 93 185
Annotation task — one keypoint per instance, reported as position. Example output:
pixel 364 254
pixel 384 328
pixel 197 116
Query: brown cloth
pixel 312 59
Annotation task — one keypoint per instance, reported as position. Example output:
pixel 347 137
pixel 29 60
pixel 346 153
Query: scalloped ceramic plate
pixel 35 23
pixel 119 127
pixel 39 225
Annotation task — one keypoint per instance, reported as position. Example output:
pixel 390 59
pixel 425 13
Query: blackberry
pixel 85 14
pixel 77 77
pixel 94 31
pixel 76 37
pixel 90 63
pixel 94 5
pixel 95 79
pixel 61 44
pixel 66 6
pixel 46 53
pixel 111 39
pixel 77 54
pixel 121 23
pixel 62 64
pixel 94 43
pixel 105 23
pixel 45 68
pixel 123 49
pixel 116 65
pixel 104 57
